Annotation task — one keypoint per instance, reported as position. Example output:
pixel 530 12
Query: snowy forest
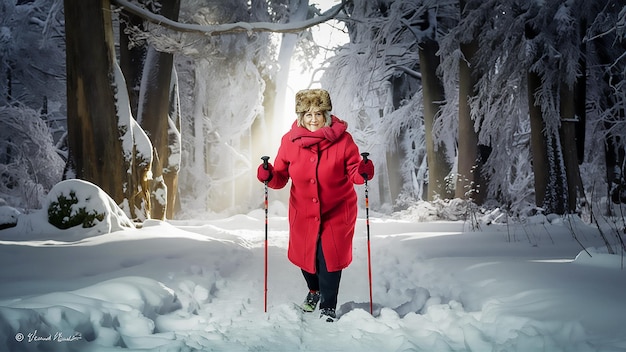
pixel 169 106
pixel 131 216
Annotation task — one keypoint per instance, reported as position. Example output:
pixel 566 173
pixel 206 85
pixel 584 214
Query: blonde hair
pixel 328 120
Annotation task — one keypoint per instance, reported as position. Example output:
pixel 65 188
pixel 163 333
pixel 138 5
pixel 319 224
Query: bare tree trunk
pixel 573 123
pixel 131 64
pixel 548 165
pixel 468 183
pixel 537 140
pixel 175 148
pixel 153 110
pixel 580 90
pixel 131 59
pixel 398 89
pixel 394 164
pixel 154 105
pixel 438 165
pixel 556 191
pixel 569 121
pixel 93 134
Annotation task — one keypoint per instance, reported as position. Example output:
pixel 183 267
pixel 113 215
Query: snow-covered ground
pixel 198 285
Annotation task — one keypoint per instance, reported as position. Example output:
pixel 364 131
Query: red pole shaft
pixel 265 276
pixel 367 223
pixel 369 271
pixel 265 166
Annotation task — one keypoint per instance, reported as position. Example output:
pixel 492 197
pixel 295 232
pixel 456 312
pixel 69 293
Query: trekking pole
pixel 367 224
pixel 265 166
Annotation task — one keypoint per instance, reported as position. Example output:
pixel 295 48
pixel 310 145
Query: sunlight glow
pixel 329 36
pixel 551 261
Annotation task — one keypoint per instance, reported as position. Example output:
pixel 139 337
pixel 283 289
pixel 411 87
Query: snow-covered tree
pixel 542 52
pixel 227 86
pixel 606 62
pixel 528 61
pixel 32 57
pixel 516 79
pixel 386 85
pixel 153 71
pixel 32 95
pixel 224 92
pixel 29 163
pixel 470 183
pixel 534 47
pixel 106 145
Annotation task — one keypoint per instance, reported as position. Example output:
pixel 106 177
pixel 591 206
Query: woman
pixel 324 163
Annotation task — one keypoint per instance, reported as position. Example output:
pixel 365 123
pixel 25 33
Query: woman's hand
pixel 366 169
pixel 265 174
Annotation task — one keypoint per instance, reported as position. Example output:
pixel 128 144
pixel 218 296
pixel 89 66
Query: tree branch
pixel 410 72
pixel 237 27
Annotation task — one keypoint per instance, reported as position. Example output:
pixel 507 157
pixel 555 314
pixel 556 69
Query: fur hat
pixel 313 98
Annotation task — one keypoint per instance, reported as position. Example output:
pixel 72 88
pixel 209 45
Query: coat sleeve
pixel 281 167
pixel 353 158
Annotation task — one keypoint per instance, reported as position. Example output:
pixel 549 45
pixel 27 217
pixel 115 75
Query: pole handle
pixel 265 159
pixel 365 160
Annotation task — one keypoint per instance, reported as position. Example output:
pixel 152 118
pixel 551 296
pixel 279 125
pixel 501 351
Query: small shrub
pixel 64 214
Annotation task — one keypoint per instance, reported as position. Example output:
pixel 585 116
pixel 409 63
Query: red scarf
pixel 326 135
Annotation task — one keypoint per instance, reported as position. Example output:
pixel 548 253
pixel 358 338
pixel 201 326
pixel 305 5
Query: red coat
pixel 323 167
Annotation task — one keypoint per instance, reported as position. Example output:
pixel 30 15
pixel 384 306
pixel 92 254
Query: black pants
pixel 324 281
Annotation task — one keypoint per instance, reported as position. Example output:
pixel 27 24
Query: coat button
pixel 317 219
pixel 312 159
pixel 314 200
pixel 312 180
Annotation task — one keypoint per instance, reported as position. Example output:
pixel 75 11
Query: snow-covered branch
pixel 408 71
pixel 237 27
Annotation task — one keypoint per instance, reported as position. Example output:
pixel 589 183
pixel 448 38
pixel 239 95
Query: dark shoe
pixel 310 302
pixel 328 314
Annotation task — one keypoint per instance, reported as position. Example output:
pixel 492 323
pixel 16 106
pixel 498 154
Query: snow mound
pixel 116 313
pixel 88 199
pixel 600 257
pixel 8 216
pixel 422 211
pixel 85 210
